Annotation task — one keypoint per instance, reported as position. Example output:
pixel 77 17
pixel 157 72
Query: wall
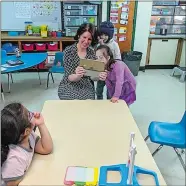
pixel 142 28
pixel 104 11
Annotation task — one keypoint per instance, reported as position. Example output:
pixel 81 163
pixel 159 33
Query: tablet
pixel 92 67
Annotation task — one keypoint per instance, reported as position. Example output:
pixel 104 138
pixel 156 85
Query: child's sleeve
pixel 119 71
pixel 14 169
pixel 117 53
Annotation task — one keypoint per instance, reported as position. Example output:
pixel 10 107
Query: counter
pixel 166 50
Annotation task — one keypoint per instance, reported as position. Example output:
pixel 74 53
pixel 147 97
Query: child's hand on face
pixel 103 76
pixel 38 119
pixel 100 40
pixel 114 100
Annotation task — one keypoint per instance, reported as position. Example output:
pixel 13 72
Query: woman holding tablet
pixel 75 84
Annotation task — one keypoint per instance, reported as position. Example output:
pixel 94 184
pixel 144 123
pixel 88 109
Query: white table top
pixel 88 133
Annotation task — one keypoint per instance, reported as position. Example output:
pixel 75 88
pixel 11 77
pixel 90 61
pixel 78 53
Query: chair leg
pixel 52 77
pixel 182 78
pixel 147 137
pixel 8 82
pixel 48 79
pixel 158 149
pixel 39 77
pixel 173 71
pixel 180 158
pixel 2 96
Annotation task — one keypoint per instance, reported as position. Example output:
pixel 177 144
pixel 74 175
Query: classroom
pixel 93 92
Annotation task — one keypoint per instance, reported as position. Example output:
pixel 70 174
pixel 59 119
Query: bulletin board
pixel 14 14
pixel 122 16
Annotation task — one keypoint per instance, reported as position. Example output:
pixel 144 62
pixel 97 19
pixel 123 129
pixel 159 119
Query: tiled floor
pixel 159 97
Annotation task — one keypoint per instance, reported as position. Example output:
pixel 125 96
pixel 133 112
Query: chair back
pixel 183 121
pixel 58 58
pixel 3 53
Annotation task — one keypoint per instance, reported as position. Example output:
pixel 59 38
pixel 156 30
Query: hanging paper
pixel 123 22
pixel 115 31
pixel 22 9
pixel 122 38
pixel 114 20
pixel 122 30
pixel 124 15
pixel 125 9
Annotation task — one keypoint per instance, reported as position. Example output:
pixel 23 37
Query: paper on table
pixel 9 66
pixel 80 174
pixel 3 69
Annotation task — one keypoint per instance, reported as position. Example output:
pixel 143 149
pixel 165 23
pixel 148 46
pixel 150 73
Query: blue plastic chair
pixel 4 54
pixel 55 68
pixel 169 134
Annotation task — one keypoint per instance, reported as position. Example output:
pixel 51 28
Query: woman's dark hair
pixel 14 121
pixel 107 53
pixel 87 27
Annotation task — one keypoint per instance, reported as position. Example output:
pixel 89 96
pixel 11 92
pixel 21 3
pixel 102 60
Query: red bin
pixel 28 47
pixel 52 46
pixel 40 46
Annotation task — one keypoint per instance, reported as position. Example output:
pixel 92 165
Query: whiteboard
pixel 14 14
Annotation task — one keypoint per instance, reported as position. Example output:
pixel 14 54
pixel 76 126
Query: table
pixel 88 133
pixel 29 59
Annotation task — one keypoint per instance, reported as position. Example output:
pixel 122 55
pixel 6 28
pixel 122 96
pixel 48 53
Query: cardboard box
pixel 92 67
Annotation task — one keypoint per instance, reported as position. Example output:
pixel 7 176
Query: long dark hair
pixel 14 121
pixel 87 27
pixel 107 53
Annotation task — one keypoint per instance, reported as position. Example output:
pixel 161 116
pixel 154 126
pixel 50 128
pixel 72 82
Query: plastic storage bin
pixel 40 46
pixel 28 47
pixel 72 12
pixel 12 33
pixel 89 19
pixel 73 21
pixel 71 31
pixel 52 46
pixel 71 6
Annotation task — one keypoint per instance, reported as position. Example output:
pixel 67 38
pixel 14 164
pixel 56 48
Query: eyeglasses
pixel 30 115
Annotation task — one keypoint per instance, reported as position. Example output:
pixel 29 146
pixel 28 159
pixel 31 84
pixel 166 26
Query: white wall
pixel 142 28
pixel 104 11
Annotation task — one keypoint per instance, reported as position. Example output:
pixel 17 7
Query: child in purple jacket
pixel 120 81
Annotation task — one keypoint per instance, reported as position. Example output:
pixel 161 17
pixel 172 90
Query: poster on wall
pixel 22 10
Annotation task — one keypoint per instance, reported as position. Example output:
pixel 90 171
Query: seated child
pixel 106 33
pixel 120 81
pixel 19 142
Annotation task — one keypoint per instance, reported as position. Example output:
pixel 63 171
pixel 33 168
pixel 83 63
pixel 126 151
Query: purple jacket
pixel 121 83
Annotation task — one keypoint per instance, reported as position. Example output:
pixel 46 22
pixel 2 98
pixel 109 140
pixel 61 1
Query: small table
pixel 180 70
pixel 88 133
pixel 29 59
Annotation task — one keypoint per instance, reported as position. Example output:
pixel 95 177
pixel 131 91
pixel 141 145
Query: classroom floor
pixel 159 97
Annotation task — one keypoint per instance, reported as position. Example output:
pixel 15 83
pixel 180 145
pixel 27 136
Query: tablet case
pixel 14 62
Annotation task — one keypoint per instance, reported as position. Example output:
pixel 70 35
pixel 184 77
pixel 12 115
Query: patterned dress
pixel 81 90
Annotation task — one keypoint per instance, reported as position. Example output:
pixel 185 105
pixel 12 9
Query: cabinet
pixel 182 60
pixel 163 51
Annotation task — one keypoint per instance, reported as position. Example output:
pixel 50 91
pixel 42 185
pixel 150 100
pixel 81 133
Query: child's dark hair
pixel 87 27
pixel 107 53
pixel 14 121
